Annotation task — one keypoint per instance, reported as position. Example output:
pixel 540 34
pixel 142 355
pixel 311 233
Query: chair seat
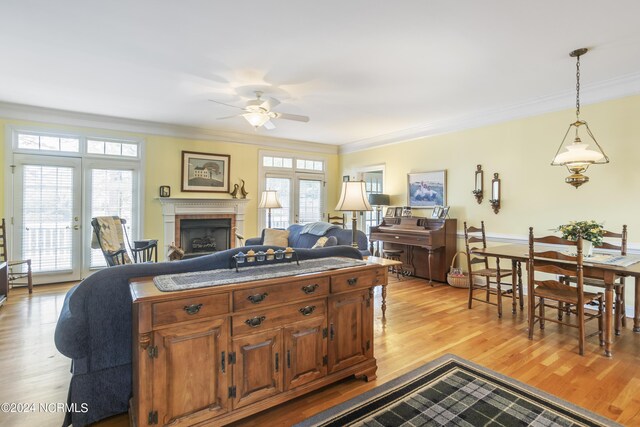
pixel 564 293
pixel 491 272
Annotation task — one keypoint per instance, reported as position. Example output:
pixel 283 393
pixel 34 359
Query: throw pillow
pixel 320 243
pixel 273 237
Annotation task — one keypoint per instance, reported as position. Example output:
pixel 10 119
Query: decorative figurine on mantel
pixel 234 192
pixel 243 192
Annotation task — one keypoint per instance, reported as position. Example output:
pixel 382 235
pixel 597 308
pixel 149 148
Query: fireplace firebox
pixel 201 236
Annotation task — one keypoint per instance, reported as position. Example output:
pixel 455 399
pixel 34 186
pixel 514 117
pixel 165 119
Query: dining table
pixel 607 272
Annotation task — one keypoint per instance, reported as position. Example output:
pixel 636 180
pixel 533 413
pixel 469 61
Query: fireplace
pixel 176 210
pixel 204 234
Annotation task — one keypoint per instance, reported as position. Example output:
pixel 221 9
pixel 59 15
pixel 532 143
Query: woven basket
pixel 458 281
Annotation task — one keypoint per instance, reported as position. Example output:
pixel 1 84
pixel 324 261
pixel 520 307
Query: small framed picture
pixel 436 212
pixel 391 211
pixel 346 178
pixel 165 191
pixel 398 211
pixel 406 211
pixel 445 212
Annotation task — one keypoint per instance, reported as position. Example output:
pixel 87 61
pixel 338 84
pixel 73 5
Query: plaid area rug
pixel 451 391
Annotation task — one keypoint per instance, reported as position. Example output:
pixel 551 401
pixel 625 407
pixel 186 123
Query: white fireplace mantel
pixel 172 206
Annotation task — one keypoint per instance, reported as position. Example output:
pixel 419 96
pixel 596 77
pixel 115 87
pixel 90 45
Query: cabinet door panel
pixel 257 373
pixel 304 350
pixel 350 339
pixel 189 382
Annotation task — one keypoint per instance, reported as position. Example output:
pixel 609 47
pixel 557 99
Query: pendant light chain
pixel 578 88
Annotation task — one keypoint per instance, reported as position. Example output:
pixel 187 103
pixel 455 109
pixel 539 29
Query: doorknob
pixel 76 227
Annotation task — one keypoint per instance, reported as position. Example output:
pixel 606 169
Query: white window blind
pixel 111 195
pixel 47 217
pixel 280 217
pixel 310 200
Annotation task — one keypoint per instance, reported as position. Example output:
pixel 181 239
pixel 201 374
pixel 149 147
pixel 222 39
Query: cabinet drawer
pixel 197 307
pixel 258 320
pixel 277 294
pixel 356 280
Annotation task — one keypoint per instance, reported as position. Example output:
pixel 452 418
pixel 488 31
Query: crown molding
pixel 71 118
pixel 618 87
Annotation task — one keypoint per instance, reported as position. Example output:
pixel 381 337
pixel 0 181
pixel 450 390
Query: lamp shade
pixel 353 197
pixel 269 200
pixel 378 199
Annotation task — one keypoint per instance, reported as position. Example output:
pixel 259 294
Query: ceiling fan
pixel 258 112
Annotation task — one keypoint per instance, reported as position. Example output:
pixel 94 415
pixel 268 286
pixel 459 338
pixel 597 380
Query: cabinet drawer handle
pixel 192 309
pixel 309 289
pixel 352 281
pixel 254 322
pixel 257 298
pixel 307 310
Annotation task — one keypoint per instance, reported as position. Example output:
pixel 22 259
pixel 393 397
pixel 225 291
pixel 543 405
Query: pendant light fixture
pixel 578 156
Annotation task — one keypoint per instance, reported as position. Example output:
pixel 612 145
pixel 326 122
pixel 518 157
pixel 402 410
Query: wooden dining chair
pixel 18 269
pixel 563 262
pixel 337 220
pixel 491 283
pixel 614 242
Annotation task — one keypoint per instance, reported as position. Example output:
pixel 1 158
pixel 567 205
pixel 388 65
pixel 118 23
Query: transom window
pixel 32 141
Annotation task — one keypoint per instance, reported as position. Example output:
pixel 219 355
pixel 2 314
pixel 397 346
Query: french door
pixel 55 199
pixel 301 198
pixel 47 216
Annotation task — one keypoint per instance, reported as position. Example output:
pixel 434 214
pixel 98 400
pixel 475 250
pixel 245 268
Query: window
pixel 300 183
pixel 373 183
pixel 32 141
pixel 112 148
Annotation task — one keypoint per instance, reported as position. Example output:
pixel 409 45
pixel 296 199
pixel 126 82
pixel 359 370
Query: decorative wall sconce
pixel 478 184
pixel 495 193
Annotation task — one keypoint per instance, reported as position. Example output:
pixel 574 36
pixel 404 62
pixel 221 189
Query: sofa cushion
pixel 320 242
pixel 273 237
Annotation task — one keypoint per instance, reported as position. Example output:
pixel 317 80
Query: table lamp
pixel 353 198
pixel 269 201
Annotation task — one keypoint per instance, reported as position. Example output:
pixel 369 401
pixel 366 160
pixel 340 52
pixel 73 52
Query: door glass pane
pixel 47 213
pixel 373 183
pixel 310 201
pixel 111 195
pixel 280 217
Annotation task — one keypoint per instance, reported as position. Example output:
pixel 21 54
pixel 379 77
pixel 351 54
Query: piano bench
pixel 394 254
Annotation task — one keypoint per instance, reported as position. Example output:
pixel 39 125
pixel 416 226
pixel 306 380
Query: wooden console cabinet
pixel 214 355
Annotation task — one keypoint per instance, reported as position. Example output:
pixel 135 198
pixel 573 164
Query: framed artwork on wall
pixel 205 172
pixel 427 189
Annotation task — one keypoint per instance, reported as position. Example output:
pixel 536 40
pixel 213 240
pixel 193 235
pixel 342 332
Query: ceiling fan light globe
pixel 256 119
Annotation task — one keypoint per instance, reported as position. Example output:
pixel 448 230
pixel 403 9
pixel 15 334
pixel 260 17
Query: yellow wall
pixel 533 192
pixel 163 163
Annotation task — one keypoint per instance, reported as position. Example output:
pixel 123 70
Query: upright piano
pixel 428 244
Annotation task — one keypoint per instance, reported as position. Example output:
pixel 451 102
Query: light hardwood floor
pixel 422 323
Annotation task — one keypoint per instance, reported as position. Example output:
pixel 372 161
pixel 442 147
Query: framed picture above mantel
pixel 427 189
pixel 205 172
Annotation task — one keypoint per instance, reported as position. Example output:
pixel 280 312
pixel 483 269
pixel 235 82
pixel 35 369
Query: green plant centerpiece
pixel 589 230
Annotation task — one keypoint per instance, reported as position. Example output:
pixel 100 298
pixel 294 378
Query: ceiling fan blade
pixel 228 105
pixel 292 117
pixel 269 103
pixel 268 125
pixel 229 117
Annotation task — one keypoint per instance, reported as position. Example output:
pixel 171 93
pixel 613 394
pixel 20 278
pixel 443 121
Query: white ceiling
pixel 363 70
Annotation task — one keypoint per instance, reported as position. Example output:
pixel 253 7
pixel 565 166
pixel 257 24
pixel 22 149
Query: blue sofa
pixel 94 329
pixel 298 240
